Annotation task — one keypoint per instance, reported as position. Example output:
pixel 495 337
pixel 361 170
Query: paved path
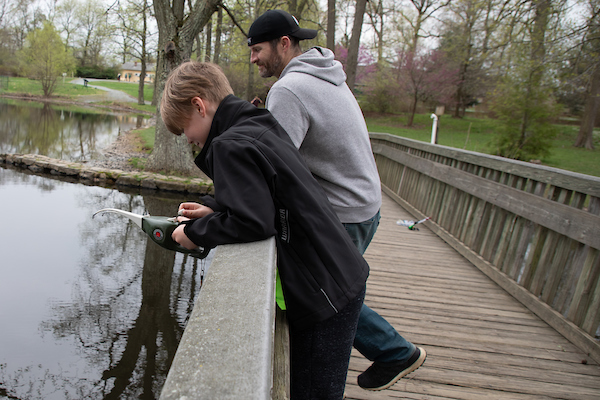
pixel 109 95
pixel 482 344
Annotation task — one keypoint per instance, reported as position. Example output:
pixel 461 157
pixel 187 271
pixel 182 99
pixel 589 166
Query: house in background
pixel 130 72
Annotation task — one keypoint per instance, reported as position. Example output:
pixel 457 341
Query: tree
pixel 353 47
pixel 585 138
pixel 523 100
pixel 93 32
pixel 137 36
pixel 591 48
pixel 65 19
pixel 425 10
pixel 425 77
pixel 176 34
pixel 45 57
pixel 331 25
pixel 462 36
pixel 377 14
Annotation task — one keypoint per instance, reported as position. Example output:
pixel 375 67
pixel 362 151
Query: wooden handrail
pixel 535 230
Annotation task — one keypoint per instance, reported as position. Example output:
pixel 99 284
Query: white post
pixel 434 128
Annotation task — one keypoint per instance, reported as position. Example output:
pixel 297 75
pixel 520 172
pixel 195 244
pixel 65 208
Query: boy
pixel 263 188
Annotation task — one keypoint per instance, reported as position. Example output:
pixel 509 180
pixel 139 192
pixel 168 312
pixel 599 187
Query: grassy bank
pixel 30 87
pixel 129 88
pixel 476 134
pixel 69 91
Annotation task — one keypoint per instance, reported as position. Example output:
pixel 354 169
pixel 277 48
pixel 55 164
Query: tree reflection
pixel 128 314
pixel 41 128
pixel 152 341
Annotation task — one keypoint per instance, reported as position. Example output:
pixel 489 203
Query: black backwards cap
pixel 274 24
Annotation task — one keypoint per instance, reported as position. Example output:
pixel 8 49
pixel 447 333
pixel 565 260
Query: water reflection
pixel 57 132
pixel 89 308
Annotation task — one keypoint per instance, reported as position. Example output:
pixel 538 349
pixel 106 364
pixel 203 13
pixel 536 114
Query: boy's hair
pixel 191 79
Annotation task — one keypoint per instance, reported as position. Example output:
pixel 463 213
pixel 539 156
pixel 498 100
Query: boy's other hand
pixel 180 237
pixel 194 210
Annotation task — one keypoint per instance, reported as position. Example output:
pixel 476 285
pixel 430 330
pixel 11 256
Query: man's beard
pixel 271 67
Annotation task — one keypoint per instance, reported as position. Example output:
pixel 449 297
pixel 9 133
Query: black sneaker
pixel 381 375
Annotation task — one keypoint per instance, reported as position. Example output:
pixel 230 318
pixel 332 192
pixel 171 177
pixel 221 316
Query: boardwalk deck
pixel 481 342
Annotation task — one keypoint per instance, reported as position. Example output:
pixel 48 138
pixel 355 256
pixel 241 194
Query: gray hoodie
pixel 320 114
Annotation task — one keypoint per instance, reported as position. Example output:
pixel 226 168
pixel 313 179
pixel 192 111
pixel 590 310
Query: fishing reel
pixel 160 230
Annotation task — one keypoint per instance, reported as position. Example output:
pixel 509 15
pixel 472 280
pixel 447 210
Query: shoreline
pixel 98 176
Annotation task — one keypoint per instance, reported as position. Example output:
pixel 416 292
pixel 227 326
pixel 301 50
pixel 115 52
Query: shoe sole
pixel 402 374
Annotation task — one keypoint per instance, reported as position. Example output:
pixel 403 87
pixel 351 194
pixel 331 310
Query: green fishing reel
pixel 160 230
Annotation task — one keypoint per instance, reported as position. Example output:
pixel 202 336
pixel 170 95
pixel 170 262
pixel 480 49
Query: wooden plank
pixel 532 261
pixel 568 279
pixel 592 318
pixel 584 289
pixel 562 258
pixel 501 365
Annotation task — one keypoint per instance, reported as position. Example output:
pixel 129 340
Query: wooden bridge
pixel 481 343
pixel 501 287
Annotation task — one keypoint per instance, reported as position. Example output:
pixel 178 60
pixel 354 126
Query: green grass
pixel 476 134
pixel 128 87
pixel 29 87
pixel 565 156
pixel 132 90
pixel 32 87
pixel 147 137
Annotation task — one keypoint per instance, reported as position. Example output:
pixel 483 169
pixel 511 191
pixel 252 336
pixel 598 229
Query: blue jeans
pixel 376 339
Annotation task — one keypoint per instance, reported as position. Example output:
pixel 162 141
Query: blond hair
pixel 191 79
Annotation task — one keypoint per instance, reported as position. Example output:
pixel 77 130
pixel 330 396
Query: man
pixel 320 114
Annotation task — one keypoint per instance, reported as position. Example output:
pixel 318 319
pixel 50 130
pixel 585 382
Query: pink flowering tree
pixel 425 77
pixel 366 62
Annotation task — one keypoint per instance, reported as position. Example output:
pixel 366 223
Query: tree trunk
pixel 592 103
pixel 331 25
pixel 538 54
pixel 175 38
pixel 144 57
pixel 293 8
pixel 218 30
pixel 208 29
pixel 413 111
pixel 352 61
pixel 142 81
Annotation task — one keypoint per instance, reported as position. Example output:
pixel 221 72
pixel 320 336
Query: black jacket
pixel 263 188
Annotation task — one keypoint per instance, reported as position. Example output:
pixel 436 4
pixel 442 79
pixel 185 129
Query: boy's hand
pixel 194 210
pixel 180 237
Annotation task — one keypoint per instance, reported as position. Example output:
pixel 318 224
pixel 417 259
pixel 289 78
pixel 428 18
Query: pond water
pixel 89 308
pixel 59 131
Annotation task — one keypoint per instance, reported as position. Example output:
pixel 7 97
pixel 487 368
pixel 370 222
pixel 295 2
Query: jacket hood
pixel 318 62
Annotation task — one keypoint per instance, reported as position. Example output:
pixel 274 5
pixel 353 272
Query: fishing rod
pixel 412 225
pixel 159 229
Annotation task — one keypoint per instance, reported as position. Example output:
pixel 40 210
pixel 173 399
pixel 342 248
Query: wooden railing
pixel 534 230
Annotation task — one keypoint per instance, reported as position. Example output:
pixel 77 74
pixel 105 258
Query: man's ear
pixel 286 43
